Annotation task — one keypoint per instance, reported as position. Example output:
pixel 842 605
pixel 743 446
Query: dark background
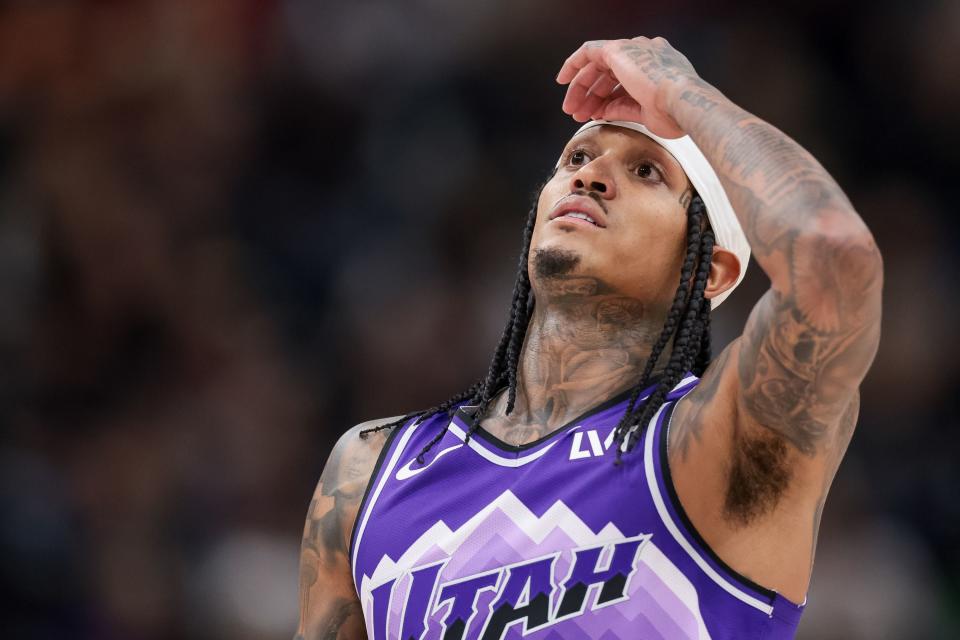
pixel 231 230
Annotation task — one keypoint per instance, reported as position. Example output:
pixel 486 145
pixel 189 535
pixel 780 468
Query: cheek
pixel 658 235
pixel 651 253
pixel 549 195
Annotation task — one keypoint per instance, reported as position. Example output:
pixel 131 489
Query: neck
pixel 585 343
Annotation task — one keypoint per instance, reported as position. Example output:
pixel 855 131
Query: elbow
pixel 842 254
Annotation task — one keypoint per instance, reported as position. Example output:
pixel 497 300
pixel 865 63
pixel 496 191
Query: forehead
pixel 606 135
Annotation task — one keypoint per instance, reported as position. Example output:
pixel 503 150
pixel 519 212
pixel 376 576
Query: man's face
pixel 637 195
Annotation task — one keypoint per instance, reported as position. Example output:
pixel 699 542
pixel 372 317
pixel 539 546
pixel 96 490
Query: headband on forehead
pixel 726 227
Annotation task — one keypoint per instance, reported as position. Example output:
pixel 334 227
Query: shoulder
pixel 364 433
pixel 354 457
pixel 336 499
pixel 327 597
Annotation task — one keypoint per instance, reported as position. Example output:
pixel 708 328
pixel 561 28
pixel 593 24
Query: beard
pixel 554 263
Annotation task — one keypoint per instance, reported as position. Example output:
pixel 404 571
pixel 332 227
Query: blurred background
pixel 231 230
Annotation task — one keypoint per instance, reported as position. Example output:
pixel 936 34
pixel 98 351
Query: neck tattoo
pixel 585 343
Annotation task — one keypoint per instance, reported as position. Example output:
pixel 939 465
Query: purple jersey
pixel 548 540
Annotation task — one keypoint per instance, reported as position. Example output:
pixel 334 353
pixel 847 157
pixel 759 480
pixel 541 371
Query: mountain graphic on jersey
pixel 483 540
pixel 506 573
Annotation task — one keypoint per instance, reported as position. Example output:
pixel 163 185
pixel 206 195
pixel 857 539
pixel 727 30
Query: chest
pixel 549 539
pixel 493 536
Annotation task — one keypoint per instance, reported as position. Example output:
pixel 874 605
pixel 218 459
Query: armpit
pixel 759 476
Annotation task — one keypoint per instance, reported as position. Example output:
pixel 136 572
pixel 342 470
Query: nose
pixel 593 177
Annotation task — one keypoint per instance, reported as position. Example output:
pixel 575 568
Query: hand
pixel 625 80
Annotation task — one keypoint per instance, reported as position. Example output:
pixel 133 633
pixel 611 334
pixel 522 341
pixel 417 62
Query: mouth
pixel 580 210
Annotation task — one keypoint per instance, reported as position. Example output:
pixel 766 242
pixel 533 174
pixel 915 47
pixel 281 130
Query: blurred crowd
pixel 231 230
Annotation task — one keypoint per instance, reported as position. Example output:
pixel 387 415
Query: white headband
pixel 723 220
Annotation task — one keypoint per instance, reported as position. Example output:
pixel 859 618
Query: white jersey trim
pixel 458 431
pixel 384 477
pixel 656 494
pixel 503 461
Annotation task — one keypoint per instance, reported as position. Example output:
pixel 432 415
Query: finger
pixel 579 87
pixel 618 92
pixel 596 96
pixel 588 52
pixel 623 108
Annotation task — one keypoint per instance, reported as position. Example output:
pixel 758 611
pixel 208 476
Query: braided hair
pixel 687 323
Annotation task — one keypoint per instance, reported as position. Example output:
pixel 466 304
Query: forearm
pixel 809 341
pixel 811 338
pixel 779 191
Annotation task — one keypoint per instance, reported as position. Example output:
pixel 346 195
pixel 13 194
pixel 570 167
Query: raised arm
pixel 812 337
pixel 329 608
pixel 755 447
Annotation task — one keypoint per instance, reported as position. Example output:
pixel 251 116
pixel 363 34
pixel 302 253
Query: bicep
pixel 803 355
pixel 781 401
pixel 329 607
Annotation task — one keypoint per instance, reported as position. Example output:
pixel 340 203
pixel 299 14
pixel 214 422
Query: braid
pixel 519 321
pixel 519 314
pixel 687 341
pixel 695 216
pixel 443 407
pixel 446 426
pixel 508 348
pixel 704 356
pixel 699 356
pixel 687 324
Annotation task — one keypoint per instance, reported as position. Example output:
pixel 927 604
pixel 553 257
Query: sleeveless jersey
pixel 549 541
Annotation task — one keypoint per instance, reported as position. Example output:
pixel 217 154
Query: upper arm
pixel 809 341
pixel 781 401
pixel 329 607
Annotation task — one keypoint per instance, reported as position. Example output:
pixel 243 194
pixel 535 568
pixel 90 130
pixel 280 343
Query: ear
pixel 724 271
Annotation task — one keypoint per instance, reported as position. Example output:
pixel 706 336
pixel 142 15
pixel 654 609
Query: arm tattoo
pixel 812 337
pixel 343 611
pixel 804 353
pixel 329 609
pixel 658 60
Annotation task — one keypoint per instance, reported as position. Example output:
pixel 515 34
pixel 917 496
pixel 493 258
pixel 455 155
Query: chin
pixel 554 260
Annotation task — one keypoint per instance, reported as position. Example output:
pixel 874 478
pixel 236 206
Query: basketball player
pixel 605 479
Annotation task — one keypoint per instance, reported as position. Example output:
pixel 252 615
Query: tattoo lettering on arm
pixel 812 337
pixel 329 608
pixel 699 100
pixel 658 60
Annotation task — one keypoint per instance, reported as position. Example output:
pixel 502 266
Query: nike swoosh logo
pixel 406 471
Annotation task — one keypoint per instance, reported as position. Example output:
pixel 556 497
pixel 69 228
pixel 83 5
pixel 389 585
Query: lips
pixel 580 208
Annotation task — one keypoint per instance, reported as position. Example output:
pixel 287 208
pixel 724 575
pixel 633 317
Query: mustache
pixel 596 198
pixel 590 194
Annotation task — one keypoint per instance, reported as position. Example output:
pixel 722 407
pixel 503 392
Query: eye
pixel 649 171
pixel 578 157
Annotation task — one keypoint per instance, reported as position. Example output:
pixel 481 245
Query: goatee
pixel 554 263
